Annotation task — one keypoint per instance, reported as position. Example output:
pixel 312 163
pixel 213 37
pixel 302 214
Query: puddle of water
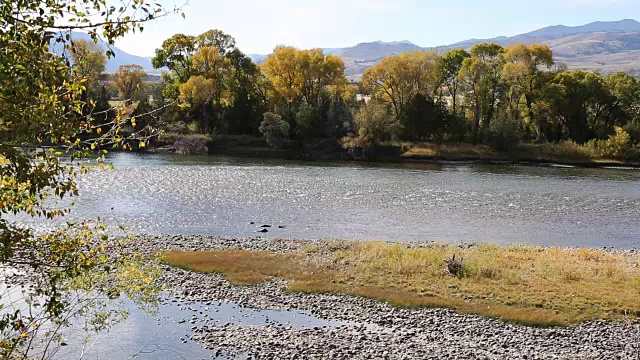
pixel 167 334
pixel 221 314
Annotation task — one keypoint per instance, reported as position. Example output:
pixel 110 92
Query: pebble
pixel 371 330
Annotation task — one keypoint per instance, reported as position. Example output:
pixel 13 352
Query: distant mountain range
pixel 113 64
pixel 605 47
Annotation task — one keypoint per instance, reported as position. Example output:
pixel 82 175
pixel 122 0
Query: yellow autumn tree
pixel 396 80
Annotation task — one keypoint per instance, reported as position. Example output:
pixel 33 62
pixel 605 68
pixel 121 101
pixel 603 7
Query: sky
pixel 260 25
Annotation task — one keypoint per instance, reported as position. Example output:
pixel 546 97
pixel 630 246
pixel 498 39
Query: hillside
pixel 121 57
pixel 605 47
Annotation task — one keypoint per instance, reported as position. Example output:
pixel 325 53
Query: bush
pixel 307 121
pixel 633 128
pixel 274 129
pixel 375 125
pixel 617 146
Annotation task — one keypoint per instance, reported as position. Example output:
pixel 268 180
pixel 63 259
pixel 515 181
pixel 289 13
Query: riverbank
pixel 568 154
pixel 373 329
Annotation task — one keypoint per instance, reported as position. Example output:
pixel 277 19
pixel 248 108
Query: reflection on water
pixel 409 201
pixel 168 333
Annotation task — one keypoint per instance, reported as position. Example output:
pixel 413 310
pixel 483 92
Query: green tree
pixel 374 124
pixel 274 128
pixel 450 65
pixel 175 54
pixel 74 270
pixel 523 72
pixel 89 63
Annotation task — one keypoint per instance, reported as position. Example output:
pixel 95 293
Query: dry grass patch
pixel 245 267
pixel 450 151
pixel 531 286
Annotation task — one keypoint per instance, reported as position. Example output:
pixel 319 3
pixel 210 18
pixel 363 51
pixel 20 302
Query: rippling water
pixel 501 204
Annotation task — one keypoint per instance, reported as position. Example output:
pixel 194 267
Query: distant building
pixel 365 98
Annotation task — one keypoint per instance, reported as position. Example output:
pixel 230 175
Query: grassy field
pixel 529 286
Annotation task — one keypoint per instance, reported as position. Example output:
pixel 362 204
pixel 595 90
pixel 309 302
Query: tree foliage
pixel 44 102
pixel 128 81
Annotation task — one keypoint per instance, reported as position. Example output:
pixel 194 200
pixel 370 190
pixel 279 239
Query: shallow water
pixel 167 334
pixel 165 194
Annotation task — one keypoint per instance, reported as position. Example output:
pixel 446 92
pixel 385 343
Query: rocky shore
pixel 368 329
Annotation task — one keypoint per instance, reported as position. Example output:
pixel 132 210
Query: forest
pixel 500 97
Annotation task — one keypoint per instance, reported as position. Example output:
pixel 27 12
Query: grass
pixel 565 152
pixel 523 285
pixel 450 151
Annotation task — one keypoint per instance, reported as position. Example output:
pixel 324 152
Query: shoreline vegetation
pixel 565 153
pixel 541 287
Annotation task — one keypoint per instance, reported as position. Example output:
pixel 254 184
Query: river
pixel 503 204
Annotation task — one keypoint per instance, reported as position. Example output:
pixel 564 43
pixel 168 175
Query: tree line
pixel 500 96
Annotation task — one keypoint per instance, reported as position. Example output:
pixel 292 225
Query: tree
pixel 299 77
pixel 426 119
pixel 175 54
pixel 274 128
pixel 89 62
pixel 199 93
pixel 74 270
pixel 225 44
pixel 522 71
pixel 397 79
pixel 450 65
pixel 625 100
pixel 491 56
pixel 471 75
pixel 128 82
pixel 281 70
pixel 374 124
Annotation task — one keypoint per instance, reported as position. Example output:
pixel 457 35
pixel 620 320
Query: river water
pixel 559 206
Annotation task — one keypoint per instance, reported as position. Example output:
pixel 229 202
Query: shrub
pixel 375 125
pixel 307 121
pixel 274 129
pixel 617 146
pixel 456 267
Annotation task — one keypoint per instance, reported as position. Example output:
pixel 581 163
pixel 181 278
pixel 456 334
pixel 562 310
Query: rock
pixel 366 329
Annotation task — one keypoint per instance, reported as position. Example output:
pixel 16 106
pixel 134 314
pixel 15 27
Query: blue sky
pixel 260 25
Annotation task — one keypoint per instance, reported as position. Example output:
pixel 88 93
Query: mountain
pixel 601 46
pixel 604 47
pixel 121 57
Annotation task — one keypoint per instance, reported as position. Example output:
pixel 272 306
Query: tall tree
pixel 298 77
pixel 397 79
pixel 450 65
pixel 128 81
pixel 89 62
pixel 522 71
pixel 471 74
pixel 491 56
pixel 175 54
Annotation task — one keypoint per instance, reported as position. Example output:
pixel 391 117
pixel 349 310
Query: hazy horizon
pixel 259 26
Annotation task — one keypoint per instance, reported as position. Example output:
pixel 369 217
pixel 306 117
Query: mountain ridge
pixel 602 46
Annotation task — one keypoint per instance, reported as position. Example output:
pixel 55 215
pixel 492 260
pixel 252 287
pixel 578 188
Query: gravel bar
pixel 371 330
